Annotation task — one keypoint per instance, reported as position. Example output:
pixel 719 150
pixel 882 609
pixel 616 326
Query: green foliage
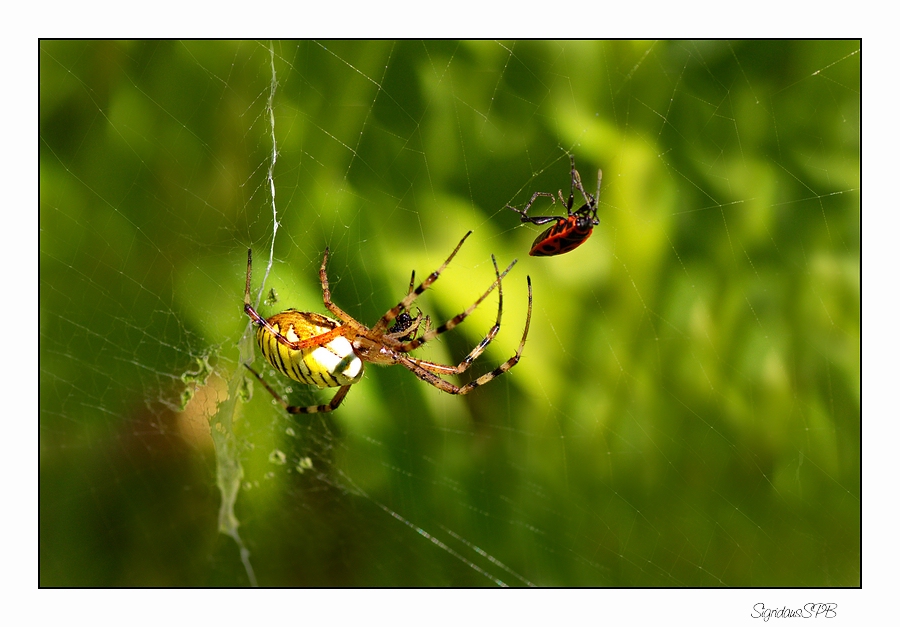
pixel 687 409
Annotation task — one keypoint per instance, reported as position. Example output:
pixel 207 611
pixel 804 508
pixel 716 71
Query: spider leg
pixel 509 363
pixel 412 284
pixel 312 409
pixel 247 286
pixel 404 304
pixel 318 340
pixel 476 352
pixel 420 369
pixel 455 320
pixel 315 341
pixel 326 295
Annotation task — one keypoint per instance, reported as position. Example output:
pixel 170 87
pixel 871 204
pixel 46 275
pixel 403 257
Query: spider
pixel 321 351
pixel 570 231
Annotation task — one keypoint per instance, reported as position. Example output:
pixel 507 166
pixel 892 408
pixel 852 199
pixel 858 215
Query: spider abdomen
pixel 332 365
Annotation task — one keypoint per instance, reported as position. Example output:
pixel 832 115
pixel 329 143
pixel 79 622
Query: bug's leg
pixel 596 198
pixel 293 409
pixel 576 182
pixel 523 213
pixel 404 304
pixel 539 220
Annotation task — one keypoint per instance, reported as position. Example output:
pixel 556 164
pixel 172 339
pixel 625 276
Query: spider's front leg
pixel 326 294
pixel 317 340
pixel 413 294
pixel 427 371
pixel 452 322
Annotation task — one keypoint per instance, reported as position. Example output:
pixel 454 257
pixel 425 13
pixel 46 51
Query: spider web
pixel 687 408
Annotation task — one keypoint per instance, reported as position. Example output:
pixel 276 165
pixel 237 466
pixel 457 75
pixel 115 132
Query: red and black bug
pixel 570 231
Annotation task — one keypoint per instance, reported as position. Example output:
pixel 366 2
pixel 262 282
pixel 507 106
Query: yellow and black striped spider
pixel 317 350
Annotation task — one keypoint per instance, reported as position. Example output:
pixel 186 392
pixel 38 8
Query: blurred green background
pixel 687 408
